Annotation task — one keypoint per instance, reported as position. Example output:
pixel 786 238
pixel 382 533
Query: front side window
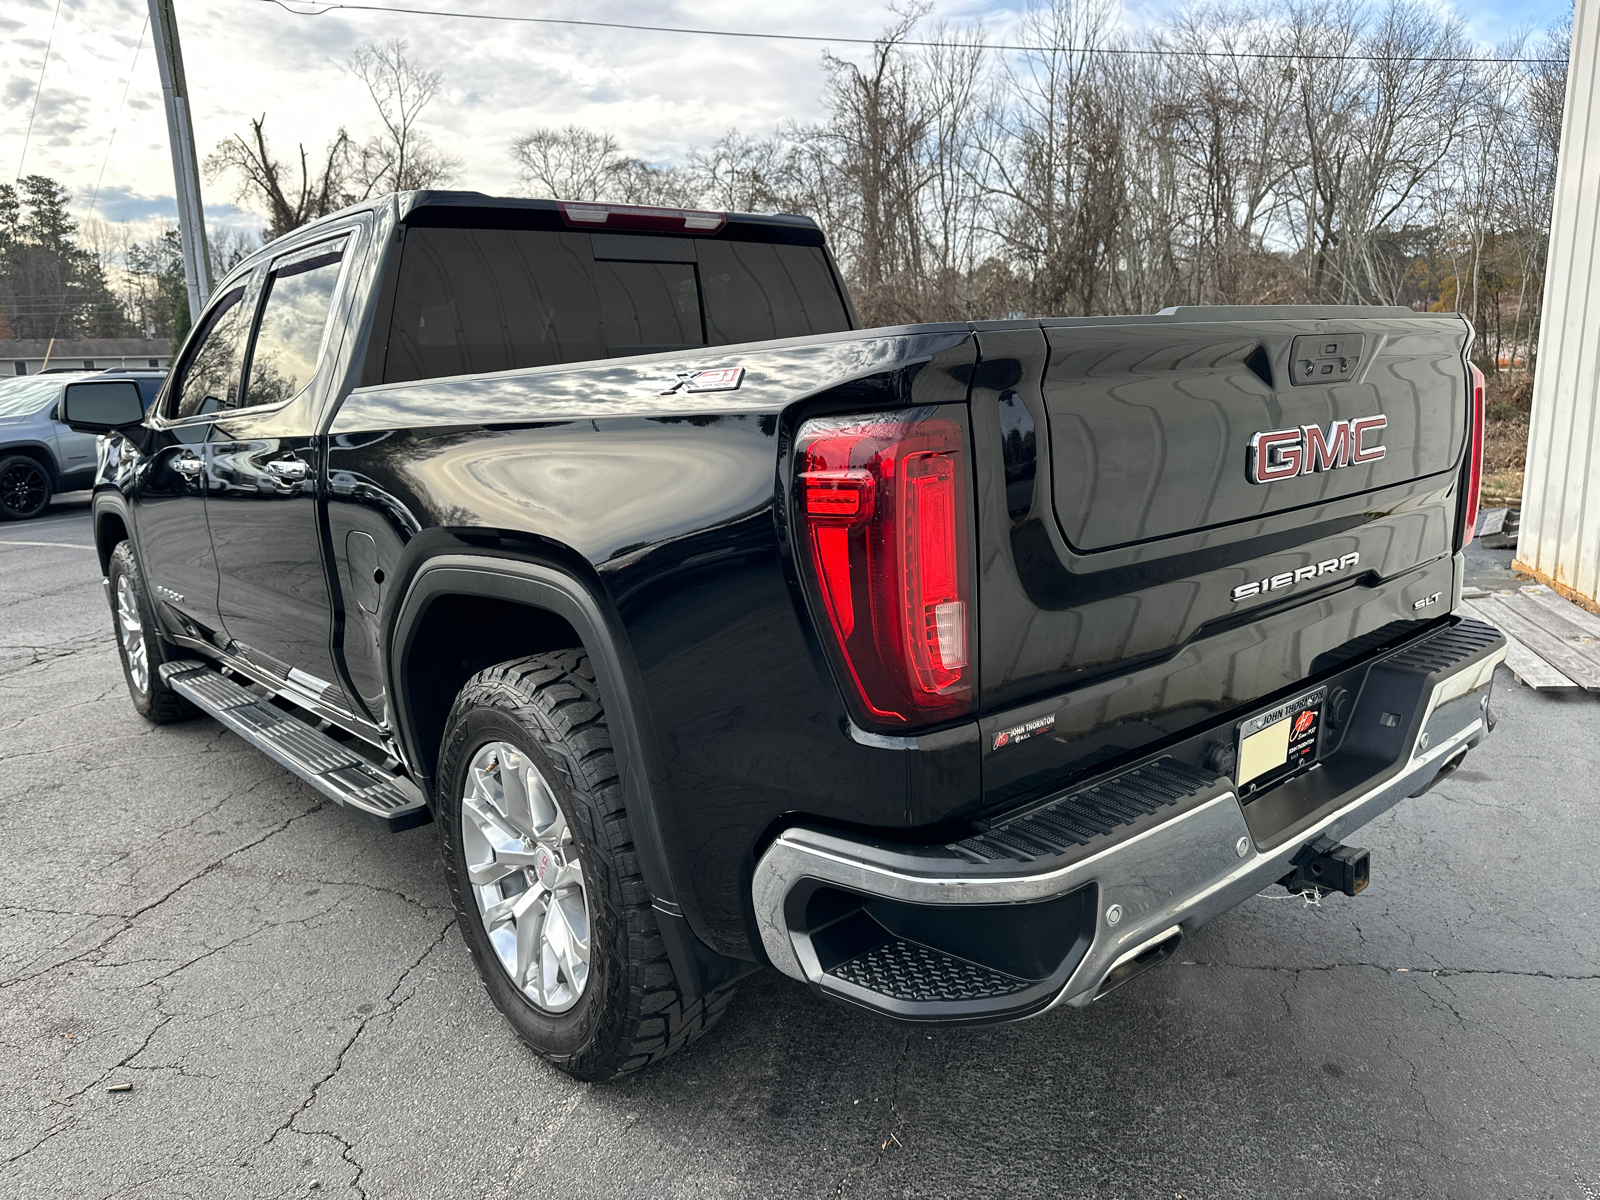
pixel 210 373
pixel 294 322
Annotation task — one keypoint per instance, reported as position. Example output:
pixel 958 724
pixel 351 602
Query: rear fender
pixel 554 589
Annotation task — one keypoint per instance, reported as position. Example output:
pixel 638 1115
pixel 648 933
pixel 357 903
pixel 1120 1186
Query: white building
pixel 1560 538
pixel 29 356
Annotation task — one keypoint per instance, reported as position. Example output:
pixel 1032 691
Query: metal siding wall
pixel 1560 538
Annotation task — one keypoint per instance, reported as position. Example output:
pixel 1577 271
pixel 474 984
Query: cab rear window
pixel 469 301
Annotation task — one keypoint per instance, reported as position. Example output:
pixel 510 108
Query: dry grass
pixel 1502 489
pixel 1505 442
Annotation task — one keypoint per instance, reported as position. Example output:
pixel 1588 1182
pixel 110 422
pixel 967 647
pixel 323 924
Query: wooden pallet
pixel 1551 642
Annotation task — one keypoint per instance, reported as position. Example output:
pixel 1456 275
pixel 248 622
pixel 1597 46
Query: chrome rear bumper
pixel 1138 891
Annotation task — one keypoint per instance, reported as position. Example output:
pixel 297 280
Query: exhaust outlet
pixel 1325 866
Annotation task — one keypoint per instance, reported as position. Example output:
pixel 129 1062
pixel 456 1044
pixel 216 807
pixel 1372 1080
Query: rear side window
pixel 474 300
pixel 294 324
pixel 210 372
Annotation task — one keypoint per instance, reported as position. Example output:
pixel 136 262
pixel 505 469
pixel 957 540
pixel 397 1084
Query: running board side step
pixel 336 771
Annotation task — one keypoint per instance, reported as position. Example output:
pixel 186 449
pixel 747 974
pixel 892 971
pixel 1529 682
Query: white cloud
pixel 659 94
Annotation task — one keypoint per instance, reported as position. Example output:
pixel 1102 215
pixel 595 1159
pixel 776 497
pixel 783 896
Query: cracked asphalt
pixel 287 996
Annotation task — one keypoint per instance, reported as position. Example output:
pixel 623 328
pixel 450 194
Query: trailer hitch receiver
pixel 1325 866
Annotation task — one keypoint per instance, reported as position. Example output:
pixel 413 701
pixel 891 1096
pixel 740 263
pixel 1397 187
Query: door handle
pixel 187 464
pixel 287 470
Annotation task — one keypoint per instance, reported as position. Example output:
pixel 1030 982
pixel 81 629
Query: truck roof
pixel 478 210
pixel 474 209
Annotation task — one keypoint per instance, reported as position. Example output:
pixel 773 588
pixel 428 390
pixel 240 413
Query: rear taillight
pixel 1475 463
pixel 882 504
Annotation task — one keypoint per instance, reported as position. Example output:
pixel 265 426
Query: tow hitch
pixel 1325 866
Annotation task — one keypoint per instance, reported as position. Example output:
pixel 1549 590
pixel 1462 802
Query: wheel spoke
pixel 131 634
pixel 531 921
pixel 577 938
pixel 566 952
pixel 513 907
pixel 514 789
pixel 500 836
pixel 483 874
pixel 571 873
pixel 550 822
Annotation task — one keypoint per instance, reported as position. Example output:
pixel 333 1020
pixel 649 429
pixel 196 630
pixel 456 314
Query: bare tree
pixel 1059 163
pixel 1250 151
pixel 566 164
pixel 739 173
pixel 322 188
pixel 402 157
pixel 399 158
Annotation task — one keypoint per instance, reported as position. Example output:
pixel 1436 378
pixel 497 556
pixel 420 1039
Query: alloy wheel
pixel 130 628
pixel 525 874
pixel 23 488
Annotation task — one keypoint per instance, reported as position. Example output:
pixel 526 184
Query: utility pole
pixel 185 167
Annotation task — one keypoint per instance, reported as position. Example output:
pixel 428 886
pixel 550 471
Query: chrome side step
pixel 333 769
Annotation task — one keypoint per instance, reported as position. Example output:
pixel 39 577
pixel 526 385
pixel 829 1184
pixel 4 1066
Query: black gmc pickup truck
pixel 957 670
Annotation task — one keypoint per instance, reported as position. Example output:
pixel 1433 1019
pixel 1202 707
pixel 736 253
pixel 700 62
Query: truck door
pixel 169 493
pixel 263 458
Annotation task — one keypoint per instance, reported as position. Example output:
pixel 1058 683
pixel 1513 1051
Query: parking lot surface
pixel 287 994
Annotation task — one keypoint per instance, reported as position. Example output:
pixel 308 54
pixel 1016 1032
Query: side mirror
pixel 102 406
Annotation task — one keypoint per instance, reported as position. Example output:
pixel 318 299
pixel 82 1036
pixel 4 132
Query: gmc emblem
pixel 1285 453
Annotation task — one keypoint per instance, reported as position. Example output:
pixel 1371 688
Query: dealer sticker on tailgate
pixel 1281 740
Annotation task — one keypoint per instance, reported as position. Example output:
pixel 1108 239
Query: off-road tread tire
pixel 161 705
pixel 643 1015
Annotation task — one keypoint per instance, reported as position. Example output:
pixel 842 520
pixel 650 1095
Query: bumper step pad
pixel 327 765
pixel 1450 649
pixel 909 971
pixel 1094 812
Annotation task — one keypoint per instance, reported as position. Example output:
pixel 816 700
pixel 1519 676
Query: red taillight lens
pixel 1475 464
pixel 883 504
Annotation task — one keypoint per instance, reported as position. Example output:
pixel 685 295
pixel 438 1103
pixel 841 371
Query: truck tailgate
pixel 1138 579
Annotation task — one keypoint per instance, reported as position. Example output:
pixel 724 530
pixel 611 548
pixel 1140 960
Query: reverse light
pixel 640 216
pixel 1475 464
pixel 883 503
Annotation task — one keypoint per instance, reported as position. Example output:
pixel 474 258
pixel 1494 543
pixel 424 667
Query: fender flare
pixel 46 453
pixel 109 501
pixel 541 585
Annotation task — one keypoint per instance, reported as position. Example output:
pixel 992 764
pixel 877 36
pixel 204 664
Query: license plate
pixel 1280 741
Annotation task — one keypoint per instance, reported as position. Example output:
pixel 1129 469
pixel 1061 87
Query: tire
pixel 25 488
pixel 535 728
pixel 142 649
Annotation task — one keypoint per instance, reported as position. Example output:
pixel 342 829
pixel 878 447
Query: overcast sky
pixel 659 93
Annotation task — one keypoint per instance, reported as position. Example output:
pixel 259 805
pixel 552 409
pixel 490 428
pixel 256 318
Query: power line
pixel 38 87
pixel 116 120
pixel 1289 56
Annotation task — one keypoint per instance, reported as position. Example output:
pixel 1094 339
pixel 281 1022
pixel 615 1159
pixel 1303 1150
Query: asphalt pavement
pixel 287 995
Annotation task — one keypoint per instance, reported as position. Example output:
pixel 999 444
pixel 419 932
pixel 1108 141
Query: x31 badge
pixel 717 379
